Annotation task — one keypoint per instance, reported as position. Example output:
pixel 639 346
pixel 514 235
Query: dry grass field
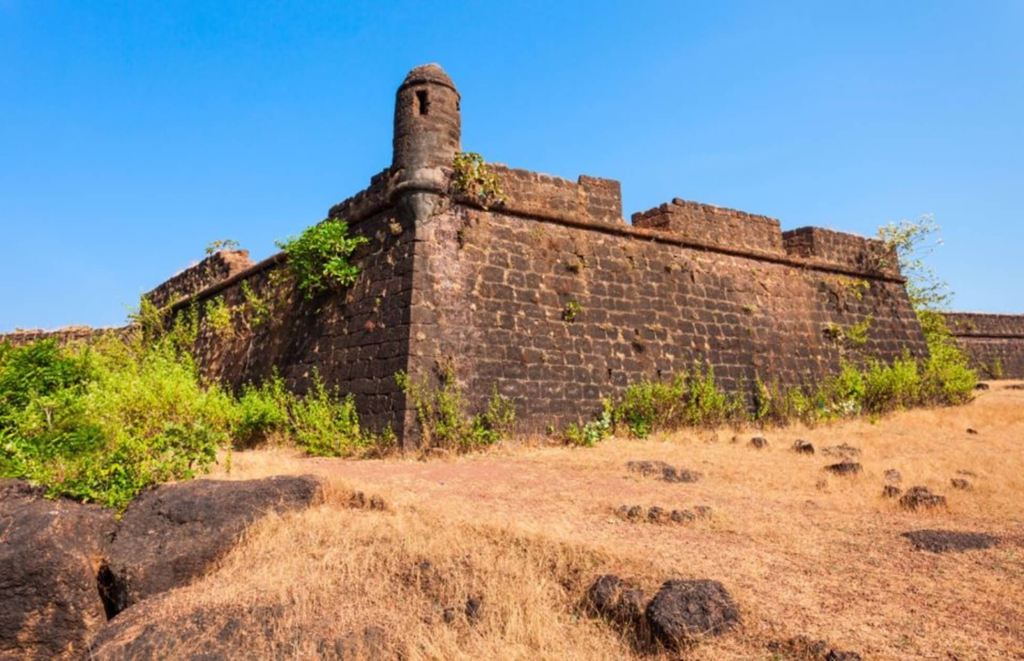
pixel 525 529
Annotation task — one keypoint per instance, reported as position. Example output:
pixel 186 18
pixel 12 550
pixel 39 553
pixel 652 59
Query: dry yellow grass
pixel 527 528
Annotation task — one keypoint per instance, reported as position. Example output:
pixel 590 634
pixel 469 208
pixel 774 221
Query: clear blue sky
pixel 133 133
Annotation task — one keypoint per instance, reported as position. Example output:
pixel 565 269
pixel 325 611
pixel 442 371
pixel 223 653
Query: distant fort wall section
pixel 993 342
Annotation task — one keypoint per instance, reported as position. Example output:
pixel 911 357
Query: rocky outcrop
pixel 172 534
pixel 685 611
pixel 50 551
pixel 679 615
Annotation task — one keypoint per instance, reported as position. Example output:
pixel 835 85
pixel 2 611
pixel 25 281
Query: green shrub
pixel 100 424
pixel 318 259
pixel 326 424
pixel 441 413
pixel 649 406
pixel 590 433
pixel 776 405
pixel 263 413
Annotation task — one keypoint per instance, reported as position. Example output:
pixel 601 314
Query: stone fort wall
pixel 549 297
pixel 556 301
pixel 994 342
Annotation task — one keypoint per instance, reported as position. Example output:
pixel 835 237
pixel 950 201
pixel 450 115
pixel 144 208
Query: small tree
pixel 947 371
pixel 914 241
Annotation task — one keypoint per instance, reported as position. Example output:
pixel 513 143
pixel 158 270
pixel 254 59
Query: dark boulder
pixel 474 609
pixel 617 601
pixel 891 491
pixel 759 442
pixel 943 541
pixel 50 551
pixel 921 498
pixel 960 483
pixel 803 447
pixel 171 534
pixel 844 467
pixel 684 611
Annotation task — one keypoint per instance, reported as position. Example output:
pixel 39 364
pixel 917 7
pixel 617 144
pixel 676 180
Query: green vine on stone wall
pixel 473 177
pixel 318 258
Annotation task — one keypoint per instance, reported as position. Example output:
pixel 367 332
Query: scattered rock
pixel 891 491
pixel 680 475
pixel 1016 386
pixel 972 431
pixel 616 600
pixel 759 442
pixel 966 473
pixel 171 534
pixel 803 447
pixel 893 475
pixel 49 553
pixel 474 609
pixel 657 515
pixel 660 515
pixel 843 450
pixel 921 498
pixel 960 483
pixel 358 500
pixel 682 516
pixel 981 386
pixel 845 467
pixel 684 611
pixel 942 541
pixel 802 648
pixel 647 467
pixel 666 472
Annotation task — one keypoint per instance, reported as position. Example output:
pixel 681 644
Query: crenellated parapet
pixel 712 225
pixel 871 256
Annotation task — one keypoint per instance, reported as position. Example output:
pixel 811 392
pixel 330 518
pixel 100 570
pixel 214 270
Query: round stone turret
pixel 428 127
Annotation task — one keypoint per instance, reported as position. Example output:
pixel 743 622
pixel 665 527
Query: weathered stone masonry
pixel 993 342
pixel 550 296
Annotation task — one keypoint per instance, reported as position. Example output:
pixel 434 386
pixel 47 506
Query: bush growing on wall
pixel 318 258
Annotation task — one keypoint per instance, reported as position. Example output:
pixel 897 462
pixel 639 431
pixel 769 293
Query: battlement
pixel 586 200
pixel 712 225
pixel 841 249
